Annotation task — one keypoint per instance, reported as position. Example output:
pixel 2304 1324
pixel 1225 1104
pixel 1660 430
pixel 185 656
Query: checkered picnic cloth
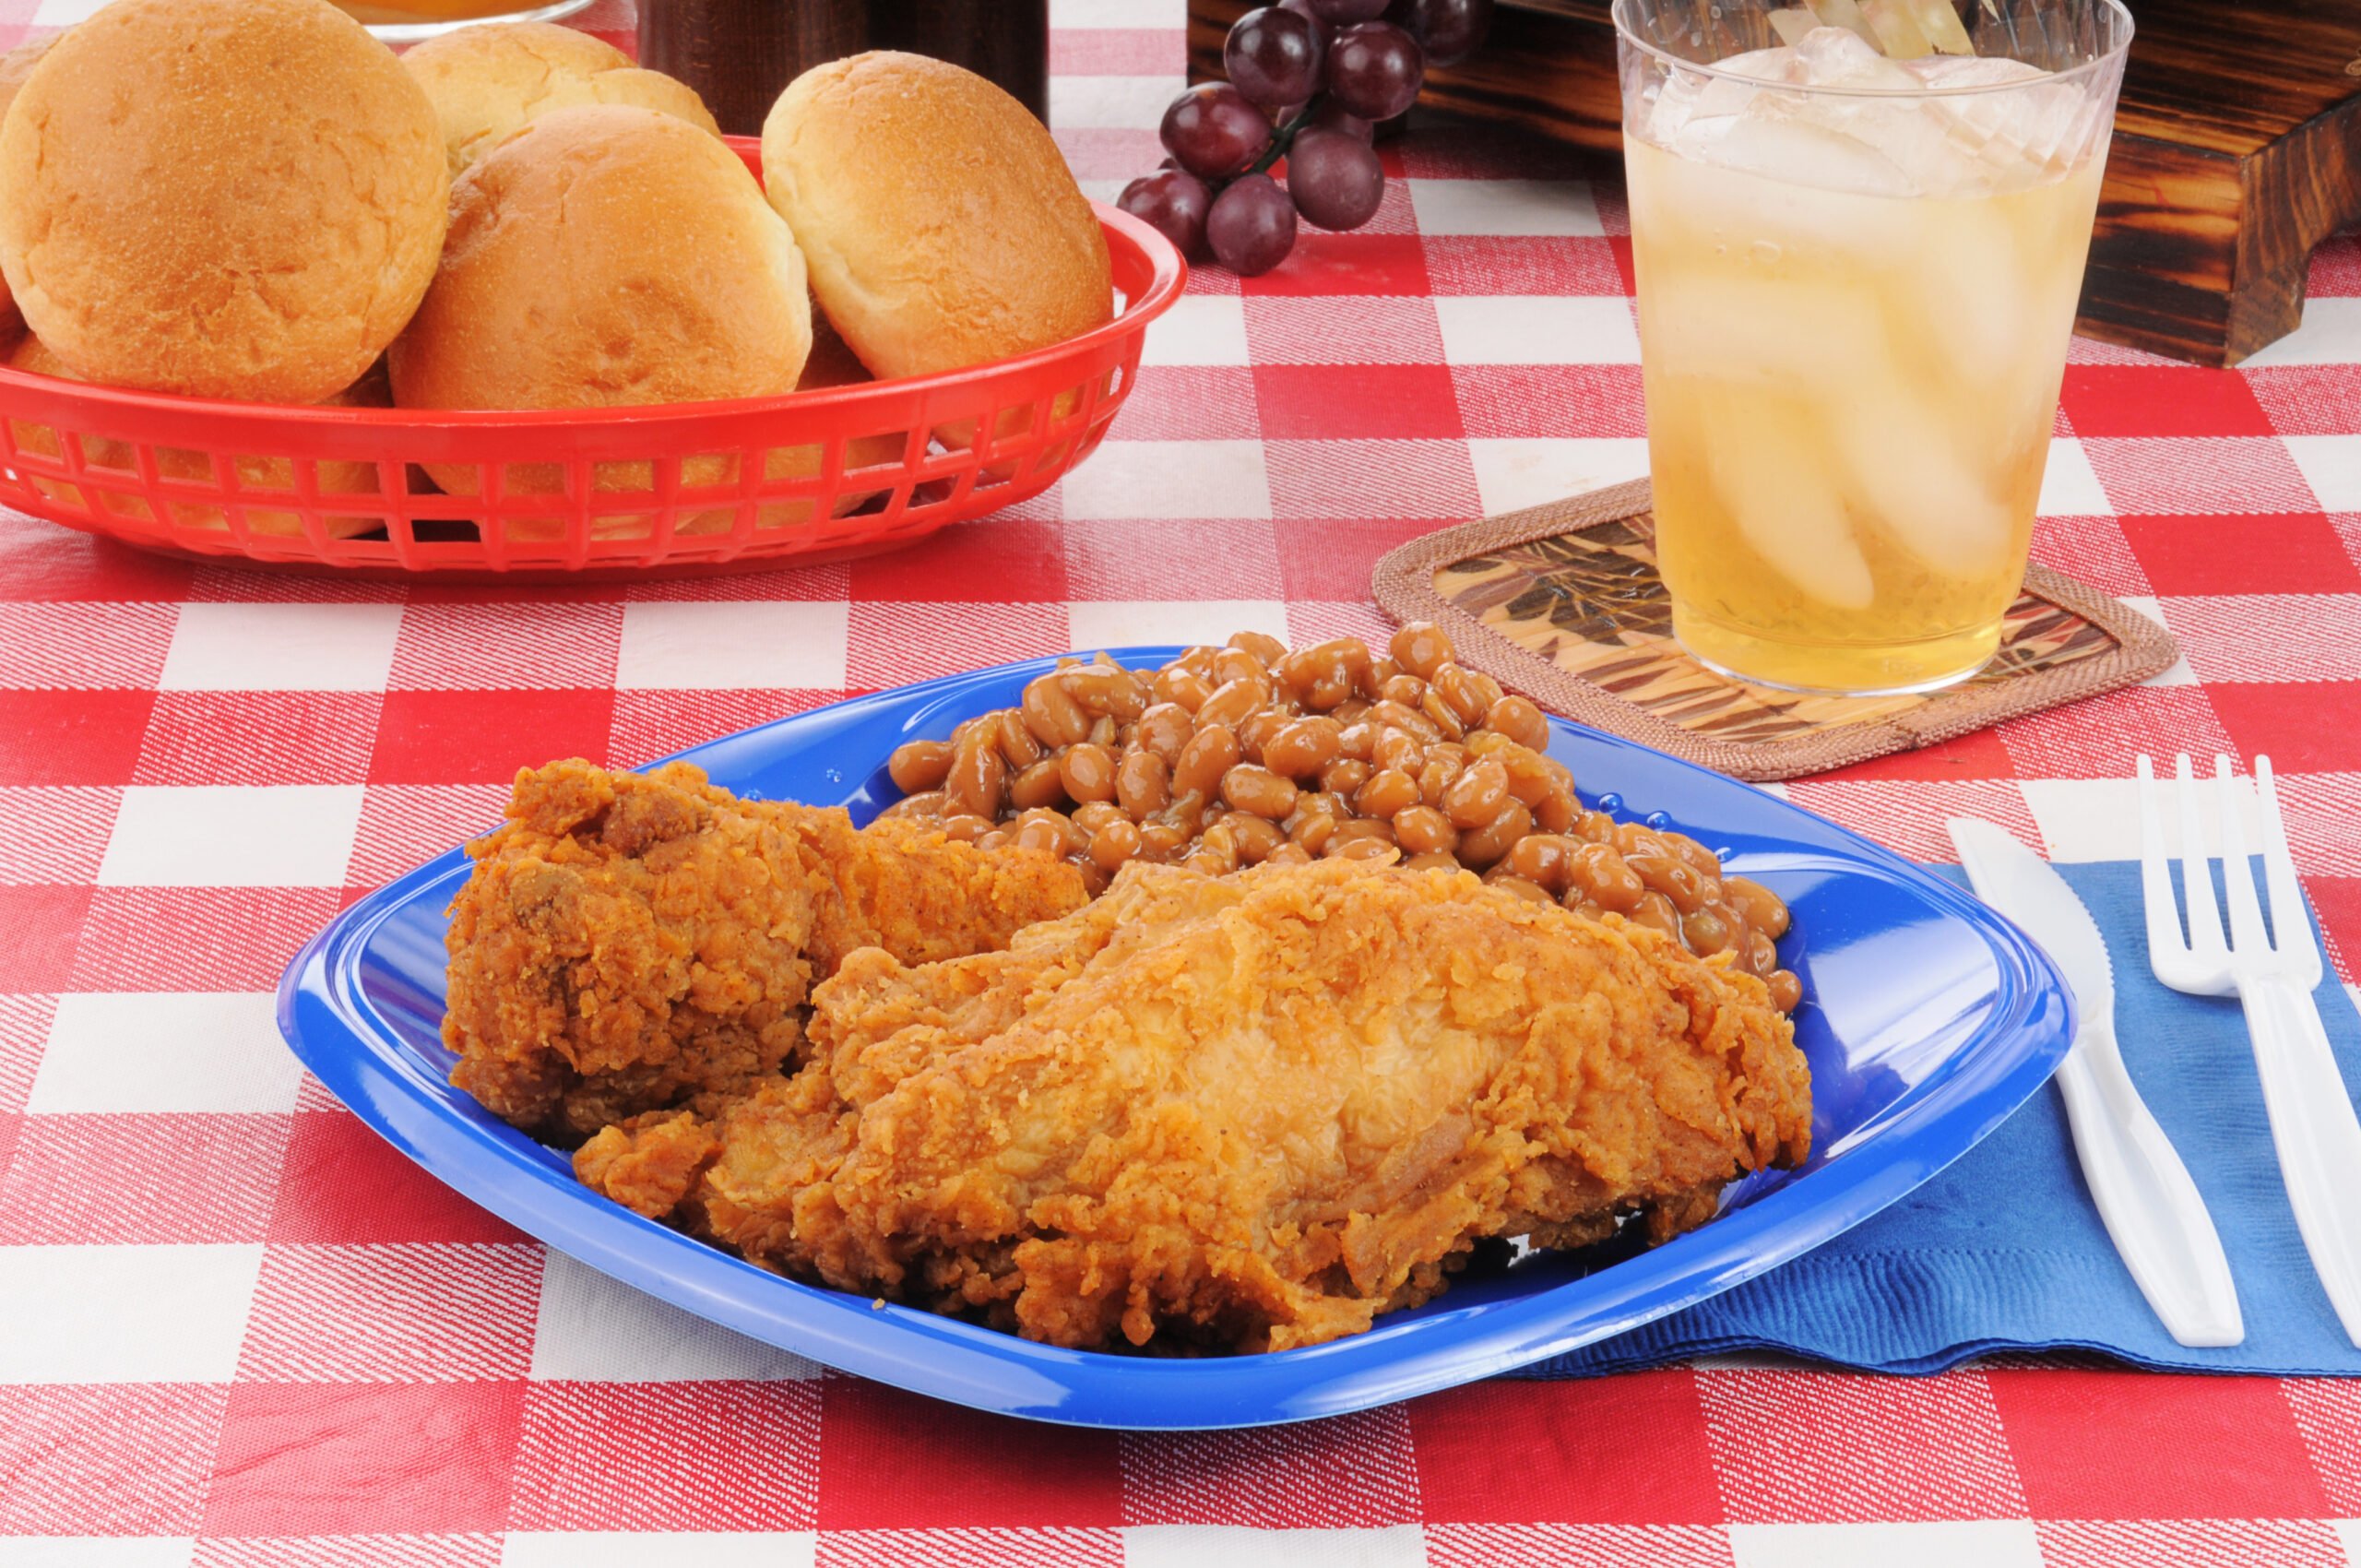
pixel 235 1328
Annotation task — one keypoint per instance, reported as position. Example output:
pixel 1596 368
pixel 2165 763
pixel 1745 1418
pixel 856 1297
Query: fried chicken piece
pixel 1252 1112
pixel 634 943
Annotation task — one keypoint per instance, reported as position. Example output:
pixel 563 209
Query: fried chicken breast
pixel 632 943
pixel 1252 1111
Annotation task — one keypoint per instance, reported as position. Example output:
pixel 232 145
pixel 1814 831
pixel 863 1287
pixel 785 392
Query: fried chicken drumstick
pixel 1252 1112
pixel 634 943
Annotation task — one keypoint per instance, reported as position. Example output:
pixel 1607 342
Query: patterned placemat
pixel 1563 604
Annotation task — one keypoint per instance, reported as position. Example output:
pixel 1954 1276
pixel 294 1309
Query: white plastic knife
pixel 2151 1207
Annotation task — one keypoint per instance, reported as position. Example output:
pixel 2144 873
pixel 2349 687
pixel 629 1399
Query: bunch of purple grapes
pixel 1308 81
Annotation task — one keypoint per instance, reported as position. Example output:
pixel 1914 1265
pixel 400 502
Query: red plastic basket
pixel 809 476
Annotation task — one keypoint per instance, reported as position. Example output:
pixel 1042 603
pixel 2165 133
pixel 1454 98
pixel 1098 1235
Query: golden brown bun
pixel 606 256
pixel 940 221
pixel 14 67
pixel 230 198
pixel 177 463
pixel 485 81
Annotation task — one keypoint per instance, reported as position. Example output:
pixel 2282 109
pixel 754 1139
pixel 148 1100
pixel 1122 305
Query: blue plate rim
pixel 320 1008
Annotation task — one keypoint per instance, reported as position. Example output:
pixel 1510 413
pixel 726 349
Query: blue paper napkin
pixel 2004 1251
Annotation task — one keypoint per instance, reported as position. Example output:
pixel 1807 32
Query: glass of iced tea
pixel 1859 229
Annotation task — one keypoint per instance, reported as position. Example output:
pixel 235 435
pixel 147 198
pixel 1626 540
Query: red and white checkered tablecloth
pixel 235 1328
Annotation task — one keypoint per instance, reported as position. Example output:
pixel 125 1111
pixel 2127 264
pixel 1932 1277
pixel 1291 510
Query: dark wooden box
pixel 2233 150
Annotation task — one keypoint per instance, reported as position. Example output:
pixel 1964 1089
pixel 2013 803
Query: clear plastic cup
pixel 1858 258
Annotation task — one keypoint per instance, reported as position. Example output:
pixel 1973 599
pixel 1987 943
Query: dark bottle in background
pixel 740 55
pixel 1005 41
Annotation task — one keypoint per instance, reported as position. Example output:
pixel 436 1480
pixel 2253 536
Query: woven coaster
pixel 1562 602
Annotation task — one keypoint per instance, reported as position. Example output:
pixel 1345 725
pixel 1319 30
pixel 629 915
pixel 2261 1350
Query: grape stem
pixel 1283 138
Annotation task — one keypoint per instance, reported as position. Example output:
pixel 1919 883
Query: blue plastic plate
pixel 1928 1019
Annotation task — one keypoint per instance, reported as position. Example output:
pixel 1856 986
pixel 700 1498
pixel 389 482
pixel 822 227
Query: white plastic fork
pixel 2312 1121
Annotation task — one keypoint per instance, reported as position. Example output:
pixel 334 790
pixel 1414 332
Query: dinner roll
pixel 15 66
pixel 255 471
pixel 603 256
pixel 940 221
pixel 485 81
pixel 230 198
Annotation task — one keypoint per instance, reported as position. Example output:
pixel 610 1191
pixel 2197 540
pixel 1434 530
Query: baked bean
pixel 1422 830
pixel 1441 769
pixel 1482 845
pixel 1542 858
pixel 1038 785
pixel 1556 813
pixel 1399 750
pixel 1254 732
pixel 1301 747
pixel 997 838
pixel 1217 851
pixel 1708 931
pixel 1758 955
pixel 1259 791
pixel 1092 816
pixel 1707 862
pixel 977 779
pixel 1143 784
pixel 1362 848
pixel 1677 880
pixel 1160 841
pixel 1488 691
pixel 1232 701
pixel 1421 647
pixel 1445 718
pixel 918 766
pixel 1519 720
pixel 1522 889
pixel 1199 660
pixel 1455 687
pixel 1047 837
pixel 1105 691
pixel 1257 837
pixel 1595 873
pixel 1237 664
pixel 1164 729
pixel 1379 671
pixel 1210 751
pixel 1088 772
pixel 1266 647
pixel 966 829
pixel 1584 907
pixel 1185 687
pixel 1656 912
pixel 1051 714
pixel 1596 827
pixel 1348 711
pixel 1018 745
pixel 926 803
pixel 1757 905
pixel 1431 862
pixel 1289 854
pixel 1350 653
pixel 1405 718
pixel 1358 739
pixel 1102 732
pixel 1407 690
pixel 1786 991
pixel 1186 811
pixel 1528 780
pixel 1638 838
pixel 1479 795
pixel 1312 832
pixel 1344 775
pixel 1387 792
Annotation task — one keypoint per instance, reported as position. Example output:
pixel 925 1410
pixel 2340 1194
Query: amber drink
pixel 1858 253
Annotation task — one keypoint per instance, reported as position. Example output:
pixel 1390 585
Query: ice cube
pixel 1775 138
pixel 1834 57
pixel 1771 477
pixel 1908 469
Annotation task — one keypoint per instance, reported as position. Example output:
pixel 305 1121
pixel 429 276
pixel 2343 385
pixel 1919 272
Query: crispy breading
pixel 631 943
pixel 1252 1112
